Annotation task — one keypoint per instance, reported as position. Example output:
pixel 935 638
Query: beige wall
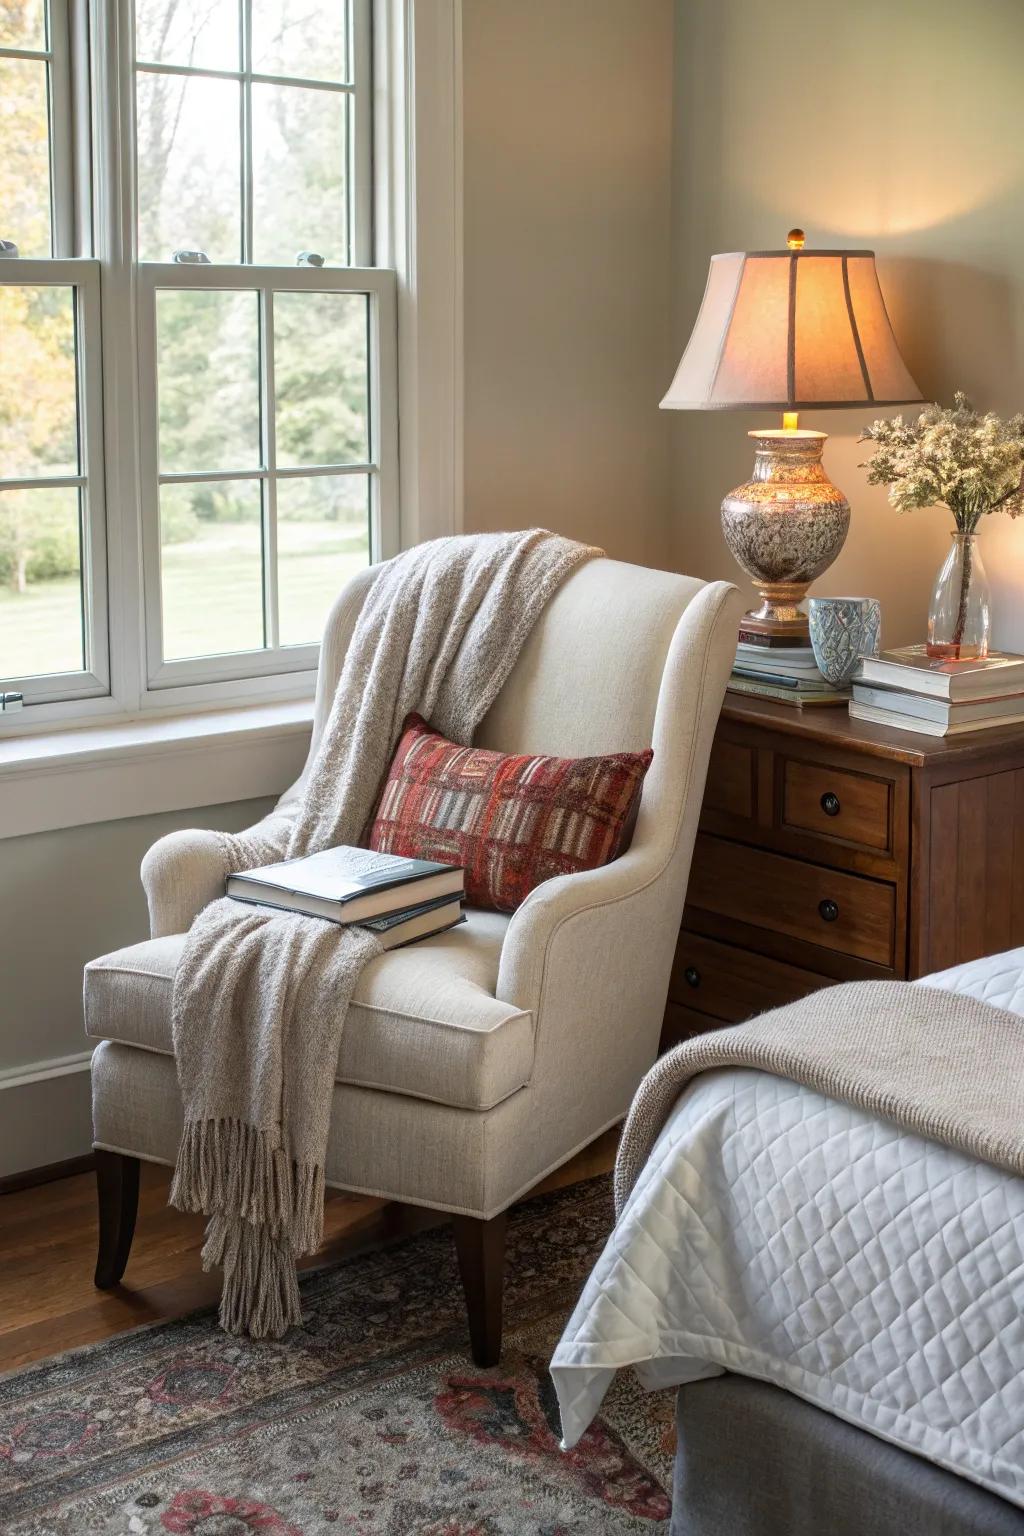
pixel 567 144
pixel 66 897
pixel 894 126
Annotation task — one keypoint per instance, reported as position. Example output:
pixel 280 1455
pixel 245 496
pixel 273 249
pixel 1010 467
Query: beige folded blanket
pixel 931 1061
pixel 260 997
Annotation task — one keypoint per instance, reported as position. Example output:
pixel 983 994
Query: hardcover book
pixel 347 885
pixel 802 698
pixel 1003 710
pixel 912 668
pixel 416 922
pixel 925 727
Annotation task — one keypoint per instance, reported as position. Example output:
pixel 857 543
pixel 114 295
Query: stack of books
pixel 398 899
pixel 912 691
pixel 782 669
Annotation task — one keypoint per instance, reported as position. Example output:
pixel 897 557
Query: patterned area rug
pixel 369 1419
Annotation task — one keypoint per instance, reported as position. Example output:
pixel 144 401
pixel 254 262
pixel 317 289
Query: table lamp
pixel 789 330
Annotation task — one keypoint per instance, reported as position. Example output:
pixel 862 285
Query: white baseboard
pixel 45 1113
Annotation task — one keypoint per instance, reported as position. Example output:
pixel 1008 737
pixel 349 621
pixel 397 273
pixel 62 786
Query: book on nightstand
pixel 787 673
pixel 911 691
pixel 992 676
pixel 801 698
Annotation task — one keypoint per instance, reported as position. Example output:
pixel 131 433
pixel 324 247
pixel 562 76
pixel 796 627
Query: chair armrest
pixel 592 951
pixel 534 932
pixel 184 871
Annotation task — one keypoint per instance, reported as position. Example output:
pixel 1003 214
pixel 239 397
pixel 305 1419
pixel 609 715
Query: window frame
pixel 93 179
pixel 416 115
pixel 358 89
pixel 82 276
pixel 60 112
pixel 378 285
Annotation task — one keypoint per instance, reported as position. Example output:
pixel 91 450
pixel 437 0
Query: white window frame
pixel 358 88
pixel 416 290
pixel 83 278
pixel 378 286
pixel 56 53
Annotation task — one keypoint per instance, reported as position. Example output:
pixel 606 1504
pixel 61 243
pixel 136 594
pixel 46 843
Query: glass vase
pixel 959 614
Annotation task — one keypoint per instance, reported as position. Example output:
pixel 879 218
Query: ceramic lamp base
pixel 785 526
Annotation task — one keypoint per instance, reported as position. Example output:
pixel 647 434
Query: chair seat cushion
pixel 424 1020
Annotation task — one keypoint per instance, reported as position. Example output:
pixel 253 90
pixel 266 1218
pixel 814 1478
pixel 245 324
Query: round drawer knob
pixel 830 804
pixel 828 911
pixel 691 976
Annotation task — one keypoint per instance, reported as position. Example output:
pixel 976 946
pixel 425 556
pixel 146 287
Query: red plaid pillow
pixel 510 821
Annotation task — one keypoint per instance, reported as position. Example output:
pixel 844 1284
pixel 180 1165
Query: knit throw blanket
pixel 934 1062
pixel 260 997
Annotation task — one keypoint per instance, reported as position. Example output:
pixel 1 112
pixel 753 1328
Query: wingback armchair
pixel 475 1062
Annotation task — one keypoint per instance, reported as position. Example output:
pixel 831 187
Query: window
pixel 197 360
pixel 53 636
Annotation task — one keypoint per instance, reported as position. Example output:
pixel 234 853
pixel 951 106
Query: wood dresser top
pixel 831 725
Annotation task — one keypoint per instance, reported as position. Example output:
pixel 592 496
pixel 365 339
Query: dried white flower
pixel 953 457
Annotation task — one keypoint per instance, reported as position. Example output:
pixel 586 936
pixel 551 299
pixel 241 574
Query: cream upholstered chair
pixel 473 1063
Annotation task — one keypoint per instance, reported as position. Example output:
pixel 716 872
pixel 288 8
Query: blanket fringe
pixel 260 1293
pixel 265 1210
pixel 230 1168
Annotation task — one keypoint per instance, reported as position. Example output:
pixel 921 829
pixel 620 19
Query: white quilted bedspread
pixel 786 1236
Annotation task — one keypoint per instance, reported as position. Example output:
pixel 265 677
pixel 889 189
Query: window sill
pixel 136 768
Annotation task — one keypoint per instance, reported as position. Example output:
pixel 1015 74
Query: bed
pixel 801 1243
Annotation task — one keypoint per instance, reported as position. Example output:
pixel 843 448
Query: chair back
pixel 587 679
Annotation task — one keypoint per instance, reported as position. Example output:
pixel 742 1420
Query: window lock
pixel 8 248
pixel 9 702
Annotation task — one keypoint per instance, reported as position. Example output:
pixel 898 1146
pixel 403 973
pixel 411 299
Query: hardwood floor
pixel 48 1302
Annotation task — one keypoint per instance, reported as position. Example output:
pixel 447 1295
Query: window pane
pixel 189 158
pixel 209 387
pixel 323 538
pixel 300 192
pixel 305 38
pixel 22 24
pixel 211 562
pixel 40 582
pixel 38 410
pixel 25 161
pixel 203 33
pixel 320 378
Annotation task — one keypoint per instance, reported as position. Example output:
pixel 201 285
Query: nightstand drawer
pixel 734 984
pixel 834 803
pixel 731 784
pixel 827 907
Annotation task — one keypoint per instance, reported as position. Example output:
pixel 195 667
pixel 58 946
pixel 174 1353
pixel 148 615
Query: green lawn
pixel 212 596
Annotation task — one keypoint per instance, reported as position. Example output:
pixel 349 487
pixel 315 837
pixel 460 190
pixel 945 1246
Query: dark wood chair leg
pixel 481 1249
pixel 117 1186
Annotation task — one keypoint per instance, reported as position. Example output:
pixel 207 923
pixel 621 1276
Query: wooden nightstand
pixel 830 850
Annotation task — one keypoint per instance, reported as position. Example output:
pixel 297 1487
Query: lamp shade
pixel 790 330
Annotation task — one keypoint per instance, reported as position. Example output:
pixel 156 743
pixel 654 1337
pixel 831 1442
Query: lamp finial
pixel 795 239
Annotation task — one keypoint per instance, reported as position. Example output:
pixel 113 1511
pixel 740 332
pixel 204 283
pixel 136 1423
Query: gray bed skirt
pixel 755 1461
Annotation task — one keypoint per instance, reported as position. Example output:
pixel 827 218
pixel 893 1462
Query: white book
pixel 888 717
pixel 778 658
pixel 945 711
pixel 912 668
pixel 347 885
